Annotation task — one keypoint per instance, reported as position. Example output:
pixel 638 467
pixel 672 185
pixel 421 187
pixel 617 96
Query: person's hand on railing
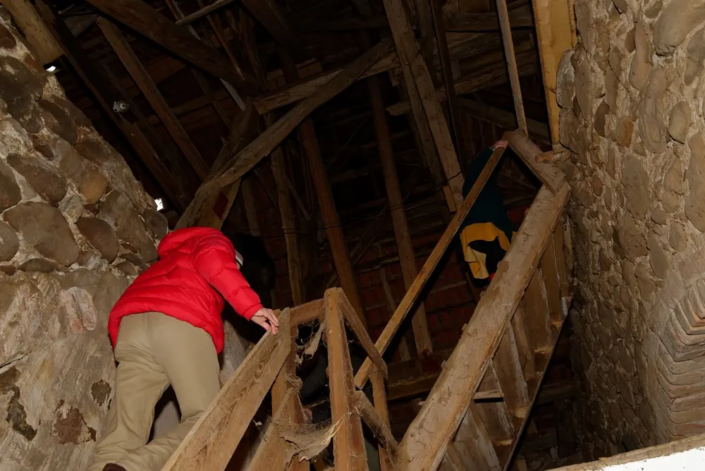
pixel 267 320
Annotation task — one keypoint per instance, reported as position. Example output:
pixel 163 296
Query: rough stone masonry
pixel 632 96
pixel 75 228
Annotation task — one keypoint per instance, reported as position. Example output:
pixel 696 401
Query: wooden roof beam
pixel 139 74
pixel 142 18
pixel 504 119
pixel 511 59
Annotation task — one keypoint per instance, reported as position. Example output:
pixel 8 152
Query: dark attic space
pixel 351 235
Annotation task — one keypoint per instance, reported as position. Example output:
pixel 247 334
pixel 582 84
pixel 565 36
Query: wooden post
pixel 36 32
pixel 416 74
pixel 405 247
pixel 555 30
pixel 286 211
pixel 139 16
pixel 331 219
pixel 379 395
pixel 348 443
pixel 145 83
pixel 512 64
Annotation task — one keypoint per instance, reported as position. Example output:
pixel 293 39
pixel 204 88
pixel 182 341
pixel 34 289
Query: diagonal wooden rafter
pixel 154 97
pixel 416 75
pixel 142 18
pixel 267 141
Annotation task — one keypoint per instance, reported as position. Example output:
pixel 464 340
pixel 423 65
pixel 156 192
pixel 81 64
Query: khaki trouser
pixel 153 351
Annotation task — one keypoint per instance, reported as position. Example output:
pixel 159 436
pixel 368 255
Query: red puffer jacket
pixel 193 264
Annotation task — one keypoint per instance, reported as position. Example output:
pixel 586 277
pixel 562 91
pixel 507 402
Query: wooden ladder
pixel 489 432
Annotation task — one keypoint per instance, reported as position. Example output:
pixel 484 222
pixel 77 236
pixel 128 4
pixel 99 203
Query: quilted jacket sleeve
pixel 214 258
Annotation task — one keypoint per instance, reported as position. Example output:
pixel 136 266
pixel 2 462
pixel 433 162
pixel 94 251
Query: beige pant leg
pixel 188 356
pixel 140 381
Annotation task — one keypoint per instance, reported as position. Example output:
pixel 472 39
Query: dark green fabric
pixel 489 206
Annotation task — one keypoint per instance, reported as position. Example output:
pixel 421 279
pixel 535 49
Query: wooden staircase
pixel 478 408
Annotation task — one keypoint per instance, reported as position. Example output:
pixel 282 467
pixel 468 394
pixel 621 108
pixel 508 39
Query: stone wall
pixel 75 229
pixel 632 96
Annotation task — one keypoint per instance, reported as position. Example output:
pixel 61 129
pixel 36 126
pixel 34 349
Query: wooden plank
pixel 428 436
pixel 523 343
pixel 342 24
pixel 495 415
pixel 203 12
pixel 521 17
pixel 549 271
pixel 212 441
pixel 272 137
pixel 474 446
pixel 428 268
pixel 405 247
pixel 348 443
pixel 139 74
pixel 33 28
pixel 376 424
pixel 504 119
pixel 142 18
pixel 512 69
pixel 308 312
pixel 555 31
pixel 212 203
pixel 417 75
pixel 288 219
pixel 535 307
pixel 510 374
pixel 547 172
pixel 379 396
pixel 391 302
pixel 331 220
pixel 248 197
pixel 271 454
pixel 361 333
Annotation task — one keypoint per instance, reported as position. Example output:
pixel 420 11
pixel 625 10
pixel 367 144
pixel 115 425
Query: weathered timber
pixel 376 424
pixel 36 32
pixel 511 59
pixel 549 174
pixel 416 74
pixel 310 311
pixel 271 454
pixel 405 247
pixel 361 333
pixel 272 137
pixel 428 268
pixel 212 441
pixel 142 18
pixel 348 443
pixel 149 89
pixel 331 220
pixel 556 33
pixel 427 439
pixel 379 396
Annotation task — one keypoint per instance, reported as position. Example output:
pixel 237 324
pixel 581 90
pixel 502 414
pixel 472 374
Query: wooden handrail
pixel 407 303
